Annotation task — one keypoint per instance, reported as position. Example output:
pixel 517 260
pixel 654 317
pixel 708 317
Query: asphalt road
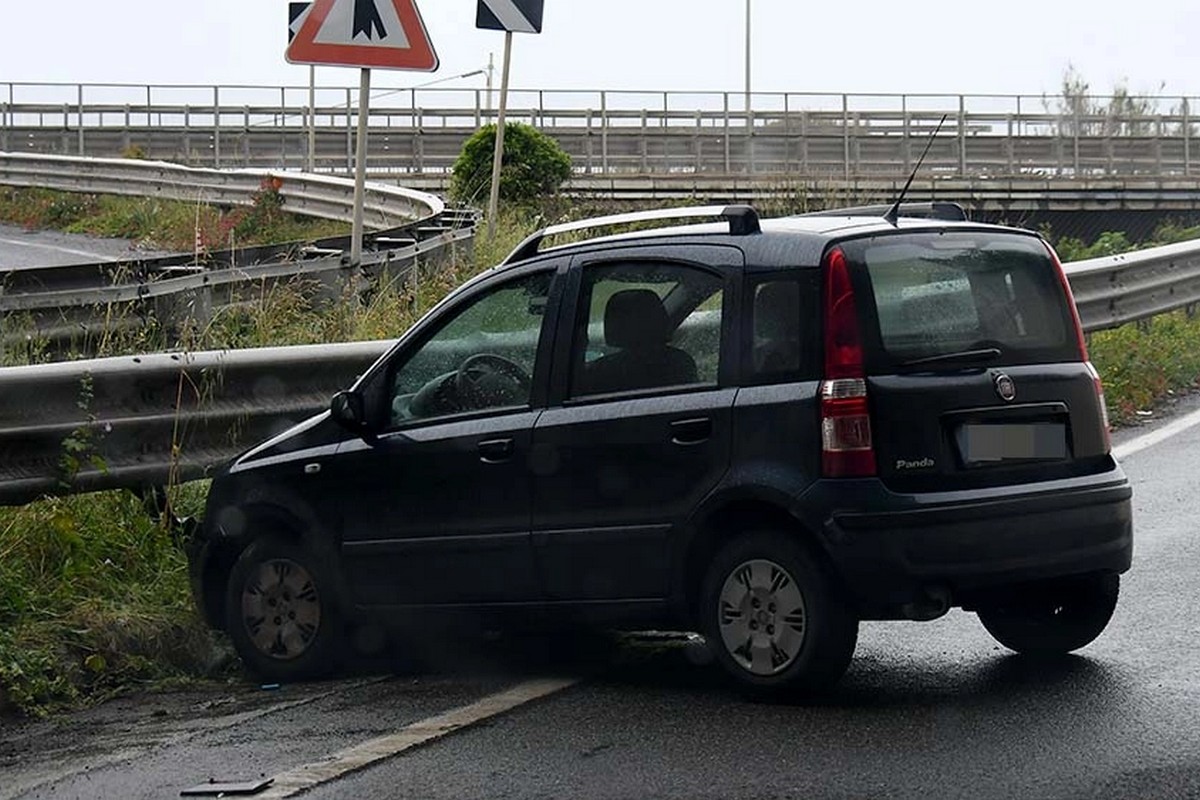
pixel 927 710
pixel 22 249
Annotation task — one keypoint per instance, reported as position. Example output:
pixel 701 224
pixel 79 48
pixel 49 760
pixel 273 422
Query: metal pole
pixel 360 167
pixel 491 70
pixel 747 62
pixel 312 118
pixel 498 154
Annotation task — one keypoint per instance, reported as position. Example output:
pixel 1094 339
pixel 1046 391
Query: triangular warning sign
pixel 388 34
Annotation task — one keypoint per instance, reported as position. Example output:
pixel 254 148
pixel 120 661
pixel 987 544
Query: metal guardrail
pixel 151 420
pixel 322 196
pixel 620 133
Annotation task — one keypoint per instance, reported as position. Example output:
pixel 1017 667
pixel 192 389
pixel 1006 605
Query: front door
pixel 438 506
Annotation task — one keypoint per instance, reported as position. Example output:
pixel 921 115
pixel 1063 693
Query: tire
pixel 1053 618
pixel 774 618
pixel 282 611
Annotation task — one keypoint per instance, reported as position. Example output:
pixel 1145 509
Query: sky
pixel 919 46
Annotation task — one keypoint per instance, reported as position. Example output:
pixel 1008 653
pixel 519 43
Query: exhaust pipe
pixel 934 603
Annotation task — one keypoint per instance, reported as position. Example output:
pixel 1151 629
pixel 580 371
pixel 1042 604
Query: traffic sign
pixel 389 34
pixel 296 14
pixel 519 16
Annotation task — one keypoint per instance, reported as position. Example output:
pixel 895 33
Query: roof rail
pixel 948 212
pixel 743 221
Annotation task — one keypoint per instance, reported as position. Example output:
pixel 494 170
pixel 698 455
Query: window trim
pixel 580 318
pixel 420 335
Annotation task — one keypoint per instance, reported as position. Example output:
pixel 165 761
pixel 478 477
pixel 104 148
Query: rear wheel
pixel 1053 618
pixel 282 612
pixel 774 618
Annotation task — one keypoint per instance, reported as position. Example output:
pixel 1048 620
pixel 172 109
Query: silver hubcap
pixel 281 609
pixel 762 617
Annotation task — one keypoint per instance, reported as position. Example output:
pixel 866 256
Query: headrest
pixel 635 318
pixel 777 309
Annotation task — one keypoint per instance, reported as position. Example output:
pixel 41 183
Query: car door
pixel 437 506
pixel 640 423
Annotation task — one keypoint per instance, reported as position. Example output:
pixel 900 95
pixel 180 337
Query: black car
pixel 761 431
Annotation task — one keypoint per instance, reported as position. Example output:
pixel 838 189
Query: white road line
pixel 1127 449
pixel 352 759
pixel 67 250
pixel 131 753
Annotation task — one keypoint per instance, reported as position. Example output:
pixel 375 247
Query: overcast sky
pixel 1018 46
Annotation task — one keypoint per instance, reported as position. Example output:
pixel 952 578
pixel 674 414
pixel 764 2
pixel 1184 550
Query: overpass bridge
pixel 1017 157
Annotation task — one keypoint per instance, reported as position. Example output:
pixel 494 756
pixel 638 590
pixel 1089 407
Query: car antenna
pixel 893 213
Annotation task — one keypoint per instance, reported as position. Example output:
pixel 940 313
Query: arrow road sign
pixel 364 33
pixel 518 16
pixel 296 14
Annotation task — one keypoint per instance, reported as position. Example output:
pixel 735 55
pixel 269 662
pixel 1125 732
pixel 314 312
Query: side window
pixel 645 326
pixel 481 356
pixel 782 341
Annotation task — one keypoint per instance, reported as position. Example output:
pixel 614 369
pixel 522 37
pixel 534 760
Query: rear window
pixel 935 294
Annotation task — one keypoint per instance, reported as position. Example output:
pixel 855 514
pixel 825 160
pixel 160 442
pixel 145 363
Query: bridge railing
pixel 420 131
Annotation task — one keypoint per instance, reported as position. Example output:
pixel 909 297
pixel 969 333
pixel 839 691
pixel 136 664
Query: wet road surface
pixel 926 710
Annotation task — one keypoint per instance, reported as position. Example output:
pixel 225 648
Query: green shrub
pixel 534 165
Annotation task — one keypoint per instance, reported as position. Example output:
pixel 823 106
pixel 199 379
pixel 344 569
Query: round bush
pixel 534 165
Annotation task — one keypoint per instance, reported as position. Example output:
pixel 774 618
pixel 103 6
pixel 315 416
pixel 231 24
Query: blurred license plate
pixel 989 444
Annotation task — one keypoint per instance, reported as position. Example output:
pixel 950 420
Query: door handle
pixel 691 431
pixel 496 451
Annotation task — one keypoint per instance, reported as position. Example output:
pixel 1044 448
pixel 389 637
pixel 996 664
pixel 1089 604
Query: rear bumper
pixel 966 542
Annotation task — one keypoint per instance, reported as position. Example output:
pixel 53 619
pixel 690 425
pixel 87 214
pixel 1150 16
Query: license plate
pixel 991 444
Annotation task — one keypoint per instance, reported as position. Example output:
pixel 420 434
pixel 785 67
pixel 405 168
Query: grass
pixel 153 224
pixel 94 598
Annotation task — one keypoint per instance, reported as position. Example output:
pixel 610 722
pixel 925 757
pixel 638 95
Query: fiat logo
pixel 1005 388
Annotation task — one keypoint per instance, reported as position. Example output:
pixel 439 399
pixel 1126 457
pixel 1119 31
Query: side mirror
pixel 346 408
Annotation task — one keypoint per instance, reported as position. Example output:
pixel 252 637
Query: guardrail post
pixel 245 135
pixel 588 142
pixel 217 127
pixel 604 133
pixel 1158 145
pixel 420 142
pixel 804 143
pixel 65 145
pixel 187 134
pixel 79 98
pixel 728 169
pixel 906 134
pixel 962 136
pixel 1010 147
pixel 1187 140
pixel 1075 142
pixel 126 134
pixel 846 136
pixel 642 144
pixel 698 144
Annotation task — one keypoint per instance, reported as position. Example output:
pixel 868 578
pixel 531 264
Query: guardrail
pixel 618 133
pixel 152 420
pixel 322 196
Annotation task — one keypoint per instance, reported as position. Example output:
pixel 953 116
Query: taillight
pixel 1066 287
pixel 1097 384
pixel 846 447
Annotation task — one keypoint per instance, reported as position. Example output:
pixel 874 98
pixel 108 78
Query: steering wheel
pixel 486 379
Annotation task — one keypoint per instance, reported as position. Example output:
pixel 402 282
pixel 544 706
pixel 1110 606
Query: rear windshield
pixel 935 294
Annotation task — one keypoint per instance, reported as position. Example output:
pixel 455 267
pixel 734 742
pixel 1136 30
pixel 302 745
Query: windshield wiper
pixel 965 358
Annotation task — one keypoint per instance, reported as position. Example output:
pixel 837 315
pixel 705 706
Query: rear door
pixel 642 427
pixel 976 371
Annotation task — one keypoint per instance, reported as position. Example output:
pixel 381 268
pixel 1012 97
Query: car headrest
pixel 635 318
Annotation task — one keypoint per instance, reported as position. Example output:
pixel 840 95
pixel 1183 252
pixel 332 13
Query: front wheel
pixel 773 616
pixel 1054 617
pixel 282 613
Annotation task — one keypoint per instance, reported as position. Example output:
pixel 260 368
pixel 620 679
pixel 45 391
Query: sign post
pixel 522 16
pixel 388 34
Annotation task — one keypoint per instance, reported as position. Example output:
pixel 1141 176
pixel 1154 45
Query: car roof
pixel 777 243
